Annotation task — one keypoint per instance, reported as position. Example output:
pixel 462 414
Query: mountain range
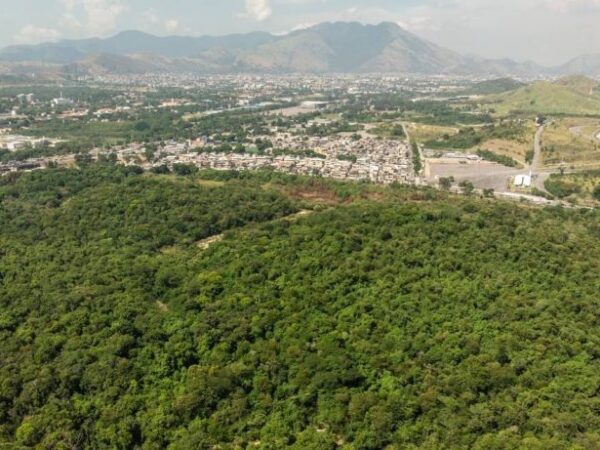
pixel 339 47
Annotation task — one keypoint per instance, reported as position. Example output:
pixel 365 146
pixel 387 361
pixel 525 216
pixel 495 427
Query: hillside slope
pixel 574 95
pixel 584 65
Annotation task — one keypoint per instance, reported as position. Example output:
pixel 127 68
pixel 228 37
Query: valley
pixel 323 236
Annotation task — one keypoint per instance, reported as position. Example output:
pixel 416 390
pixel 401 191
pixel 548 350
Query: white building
pixel 523 180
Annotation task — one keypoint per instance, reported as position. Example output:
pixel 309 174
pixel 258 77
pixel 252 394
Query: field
pixel 516 150
pixel 87 133
pixel 388 130
pixel 571 142
pixel 422 133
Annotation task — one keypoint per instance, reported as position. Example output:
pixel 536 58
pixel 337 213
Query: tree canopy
pixel 386 318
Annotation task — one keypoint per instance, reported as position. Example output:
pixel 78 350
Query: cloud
pixel 171 25
pixel 31 34
pixel 573 6
pixel 259 10
pixel 418 23
pixel 151 16
pixel 95 17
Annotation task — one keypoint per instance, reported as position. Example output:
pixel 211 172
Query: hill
pixel 387 318
pixel 580 83
pixel 495 86
pixel 325 48
pixel 573 95
pixel 585 65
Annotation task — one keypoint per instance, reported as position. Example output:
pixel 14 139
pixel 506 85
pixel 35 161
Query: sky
pixel 546 31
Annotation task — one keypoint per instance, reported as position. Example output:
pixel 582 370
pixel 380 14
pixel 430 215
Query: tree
pixel 162 169
pixel 185 169
pixel 83 159
pixel 488 193
pixel 445 183
pixel 467 187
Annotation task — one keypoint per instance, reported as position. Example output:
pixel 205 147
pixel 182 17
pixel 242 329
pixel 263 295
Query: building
pixel 523 181
pixel 61 101
pixel 313 105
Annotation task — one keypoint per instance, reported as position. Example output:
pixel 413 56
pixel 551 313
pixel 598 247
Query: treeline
pixel 558 186
pixel 91 132
pixel 495 157
pixel 379 107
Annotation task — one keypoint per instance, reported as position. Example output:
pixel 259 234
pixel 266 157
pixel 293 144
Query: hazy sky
pixel 547 31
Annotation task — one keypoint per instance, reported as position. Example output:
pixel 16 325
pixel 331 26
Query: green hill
pixel 387 318
pixel 579 83
pixel 496 86
pixel 568 96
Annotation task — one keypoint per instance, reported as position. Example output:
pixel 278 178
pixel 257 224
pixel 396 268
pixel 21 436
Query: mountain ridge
pixel 329 47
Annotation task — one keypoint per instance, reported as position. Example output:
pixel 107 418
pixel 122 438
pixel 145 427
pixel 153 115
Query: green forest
pixel 377 318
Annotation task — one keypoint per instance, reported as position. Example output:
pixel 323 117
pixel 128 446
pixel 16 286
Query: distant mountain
pixel 580 83
pixel 326 48
pixel 570 95
pixel 585 65
pixel 131 43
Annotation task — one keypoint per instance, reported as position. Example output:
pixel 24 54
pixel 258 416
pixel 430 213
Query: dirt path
pixel 537 150
pixel 298 215
pixel 204 244
pixel 578 132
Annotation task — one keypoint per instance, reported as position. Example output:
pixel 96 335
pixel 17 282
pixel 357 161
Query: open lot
pixel 483 174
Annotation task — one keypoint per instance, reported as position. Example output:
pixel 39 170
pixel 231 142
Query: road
pixel 539 177
pixel 537 150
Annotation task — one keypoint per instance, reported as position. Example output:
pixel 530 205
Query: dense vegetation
pixel 584 186
pixel 416 157
pixel 146 128
pixel 560 187
pixel 497 86
pixel 387 106
pixel 495 157
pixel 376 321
